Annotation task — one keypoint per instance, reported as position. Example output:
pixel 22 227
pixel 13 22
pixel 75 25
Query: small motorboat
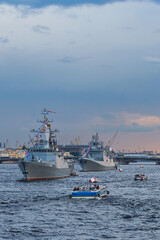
pixel 140 177
pixel 90 192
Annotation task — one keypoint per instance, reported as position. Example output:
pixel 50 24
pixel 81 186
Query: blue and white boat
pixel 90 192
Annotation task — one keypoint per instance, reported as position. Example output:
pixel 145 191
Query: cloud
pixel 68 59
pixel 134 127
pixel 87 57
pixel 135 122
pixel 126 122
pixel 97 55
pixel 65 3
pixel 41 29
pixel 146 121
pixel 72 42
pixel 154 60
pixel 4 40
pixel 106 66
pixel 128 29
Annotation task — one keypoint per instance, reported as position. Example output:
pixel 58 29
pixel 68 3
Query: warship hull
pixel 34 171
pixel 89 165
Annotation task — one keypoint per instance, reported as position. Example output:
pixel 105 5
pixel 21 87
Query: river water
pixel 44 210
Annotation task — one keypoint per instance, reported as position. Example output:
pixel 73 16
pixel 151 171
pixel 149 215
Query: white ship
pixel 44 160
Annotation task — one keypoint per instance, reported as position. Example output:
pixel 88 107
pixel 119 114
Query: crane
pixel 30 141
pixel 17 143
pixel 79 140
pixel 110 142
pixel 76 140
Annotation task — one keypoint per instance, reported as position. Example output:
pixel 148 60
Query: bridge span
pixel 125 159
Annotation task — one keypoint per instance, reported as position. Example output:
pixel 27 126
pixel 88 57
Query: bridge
pixel 125 159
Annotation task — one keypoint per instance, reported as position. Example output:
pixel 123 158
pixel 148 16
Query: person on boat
pixel 95 186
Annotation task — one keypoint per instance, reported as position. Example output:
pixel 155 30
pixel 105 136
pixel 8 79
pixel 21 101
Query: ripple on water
pixel 44 210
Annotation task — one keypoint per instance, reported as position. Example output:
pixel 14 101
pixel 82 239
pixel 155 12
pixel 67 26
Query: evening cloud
pixel 87 61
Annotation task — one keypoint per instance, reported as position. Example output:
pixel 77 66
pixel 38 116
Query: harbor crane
pixel 30 141
pixel 17 144
pixel 77 141
pixel 7 144
pixel 110 142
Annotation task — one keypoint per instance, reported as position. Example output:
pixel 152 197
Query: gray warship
pixel 96 158
pixel 44 160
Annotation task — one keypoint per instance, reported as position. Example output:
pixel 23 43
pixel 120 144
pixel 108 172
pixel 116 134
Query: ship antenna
pixel 45 112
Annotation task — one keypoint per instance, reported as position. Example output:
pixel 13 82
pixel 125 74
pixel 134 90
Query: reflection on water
pixel 44 209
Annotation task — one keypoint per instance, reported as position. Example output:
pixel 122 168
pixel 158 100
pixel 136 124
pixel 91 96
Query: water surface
pixel 44 209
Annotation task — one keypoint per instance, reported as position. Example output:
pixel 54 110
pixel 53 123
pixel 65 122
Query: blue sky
pixel 96 64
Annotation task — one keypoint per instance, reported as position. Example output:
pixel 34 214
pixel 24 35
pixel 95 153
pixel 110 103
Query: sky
pixel 95 63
